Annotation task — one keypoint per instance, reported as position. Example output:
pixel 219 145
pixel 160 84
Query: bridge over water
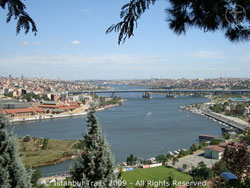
pixel 147 93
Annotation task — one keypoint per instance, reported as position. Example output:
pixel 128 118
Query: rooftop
pixel 239 99
pixel 215 148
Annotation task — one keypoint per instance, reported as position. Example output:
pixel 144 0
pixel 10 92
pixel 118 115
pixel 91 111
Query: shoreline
pixel 56 116
pixel 229 120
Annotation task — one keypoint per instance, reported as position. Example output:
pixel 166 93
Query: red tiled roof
pixel 231 145
pixel 21 110
pixel 215 148
pixel 50 106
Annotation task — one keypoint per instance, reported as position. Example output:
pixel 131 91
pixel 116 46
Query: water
pixel 144 127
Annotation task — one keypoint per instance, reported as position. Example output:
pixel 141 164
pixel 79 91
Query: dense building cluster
pixel 29 89
pixel 200 83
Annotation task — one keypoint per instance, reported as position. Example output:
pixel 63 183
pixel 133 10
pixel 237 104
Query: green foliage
pixel 225 136
pixel 215 141
pixel 113 101
pixel 35 177
pixel 246 139
pixel 193 148
pixel 80 145
pixel 237 161
pixel 170 181
pixel 130 13
pixel 12 171
pixel 30 96
pixel 201 172
pixel 219 167
pixel 202 144
pixel 16 9
pixel 184 166
pixel 96 165
pixel 239 109
pixel 45 143
pixel 8 94
pixel 144 161
pixel 169 156
pixel 218 108
pixel 131 160
pixel 183 153
pixel 27 138
pixel 182 15
pixel 161 159
pixel 175 159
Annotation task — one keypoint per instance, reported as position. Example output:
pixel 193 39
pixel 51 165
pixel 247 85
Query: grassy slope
pixel 33 155
pixel 156 173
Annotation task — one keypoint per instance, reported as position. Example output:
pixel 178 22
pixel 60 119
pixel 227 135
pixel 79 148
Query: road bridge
pixel 148 92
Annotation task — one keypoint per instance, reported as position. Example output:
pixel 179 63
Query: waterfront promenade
pixel 233 122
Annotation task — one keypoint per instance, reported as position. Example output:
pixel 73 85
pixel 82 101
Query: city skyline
pixel 74 46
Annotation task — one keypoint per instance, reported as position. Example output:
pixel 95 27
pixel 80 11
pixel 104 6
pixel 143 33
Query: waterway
pixel 144 127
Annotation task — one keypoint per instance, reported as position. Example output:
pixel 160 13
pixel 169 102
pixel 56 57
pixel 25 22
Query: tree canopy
pixel 230 16
pixel 16 9
pixel 94 166
pixel 12 170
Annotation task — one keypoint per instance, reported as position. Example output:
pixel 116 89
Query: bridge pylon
pixel 147 95
pixel 113 94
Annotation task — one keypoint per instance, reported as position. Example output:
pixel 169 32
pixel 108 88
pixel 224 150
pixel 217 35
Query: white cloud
pixel 208 55
pixel 86 10
pixel 79 60
pixel 37 43
pixel 31 43
pixel 26 43
pixel 76 42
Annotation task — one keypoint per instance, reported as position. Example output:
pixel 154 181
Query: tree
pixel 35 177
pixel 207 15
pixel 131 160
pixel 237 161
pixel 45 143
pixel 175 159
pixel 94 165
pixel 201 172
pixel 239 109
pixel 193 148
pixel 161 159
pixel 184 166
pixel 12 170
pixel 219 167
pixel 16 9
pixel 215 141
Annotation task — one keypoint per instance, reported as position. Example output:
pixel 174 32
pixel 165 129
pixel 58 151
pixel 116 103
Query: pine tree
pixel 12 171
pixel 94 166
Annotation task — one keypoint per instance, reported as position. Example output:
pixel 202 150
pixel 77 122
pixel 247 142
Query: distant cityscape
pixel 25 99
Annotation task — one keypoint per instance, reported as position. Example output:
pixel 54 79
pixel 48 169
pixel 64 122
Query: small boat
pixel 176 152
pixel 171 153
pixel 149 113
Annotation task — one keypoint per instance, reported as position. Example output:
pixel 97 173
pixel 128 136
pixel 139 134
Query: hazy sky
pixel 71 44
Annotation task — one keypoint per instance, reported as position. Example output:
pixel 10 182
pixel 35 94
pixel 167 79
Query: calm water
pixel 144 127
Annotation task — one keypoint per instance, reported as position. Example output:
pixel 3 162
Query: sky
pixel 71 44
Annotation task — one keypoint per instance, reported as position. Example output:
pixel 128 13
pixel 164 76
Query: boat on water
pixel 171 153
pixel 176 152
pixel 149 113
